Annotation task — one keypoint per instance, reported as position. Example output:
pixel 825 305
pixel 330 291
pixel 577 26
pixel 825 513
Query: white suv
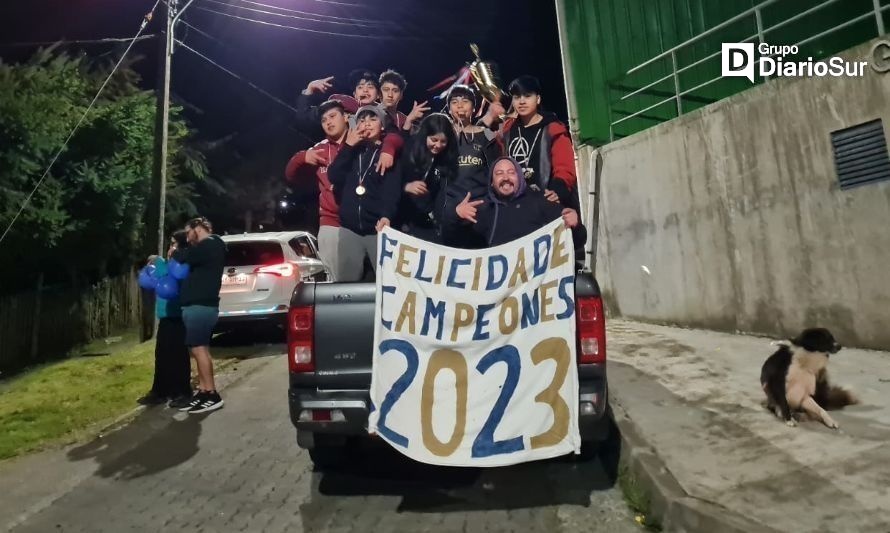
pixel 262 270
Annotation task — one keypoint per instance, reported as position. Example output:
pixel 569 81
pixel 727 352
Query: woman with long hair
pixel 430 169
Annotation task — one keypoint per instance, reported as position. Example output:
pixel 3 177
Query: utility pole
pixel 157 199
pixel 156 206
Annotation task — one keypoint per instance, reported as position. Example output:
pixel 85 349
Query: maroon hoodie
pixel 297 169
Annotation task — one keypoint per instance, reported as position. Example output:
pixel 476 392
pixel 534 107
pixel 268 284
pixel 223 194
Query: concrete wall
pixel 736 212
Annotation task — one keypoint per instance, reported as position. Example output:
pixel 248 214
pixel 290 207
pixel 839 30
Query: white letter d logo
pixel 737 59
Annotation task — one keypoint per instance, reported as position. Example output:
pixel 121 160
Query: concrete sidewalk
pixel 688 404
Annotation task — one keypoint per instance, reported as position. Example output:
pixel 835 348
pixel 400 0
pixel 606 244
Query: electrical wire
pixel 355 21
pixel 335 3
pixel 230 73
pixel 83 117
pixel 297 17
pixel 204 33
pixel 376 37
pixel 79 41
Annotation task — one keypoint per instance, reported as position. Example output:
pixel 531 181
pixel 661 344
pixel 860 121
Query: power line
pixel 80 41
pixel 335 3
pixel 297 17
pixel 320 15
pixel 204 33
pixel 260 65
pixel 83 117
pixel 230 73
pixel 376 37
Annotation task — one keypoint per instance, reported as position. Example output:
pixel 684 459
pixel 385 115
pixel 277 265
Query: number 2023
pixel 554 348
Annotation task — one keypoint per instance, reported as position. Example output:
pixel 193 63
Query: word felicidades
pixel 547 252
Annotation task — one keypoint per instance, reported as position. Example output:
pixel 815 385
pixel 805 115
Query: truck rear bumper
pixel 348 413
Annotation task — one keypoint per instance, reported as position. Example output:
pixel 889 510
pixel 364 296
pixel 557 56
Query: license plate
pixel 238 279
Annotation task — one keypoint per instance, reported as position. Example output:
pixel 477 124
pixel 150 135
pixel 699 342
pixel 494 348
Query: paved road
pixel 239 469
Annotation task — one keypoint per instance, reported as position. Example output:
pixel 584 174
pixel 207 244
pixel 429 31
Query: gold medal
pixel 360 190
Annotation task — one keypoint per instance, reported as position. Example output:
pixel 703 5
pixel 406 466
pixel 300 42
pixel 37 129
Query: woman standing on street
pixel 172 380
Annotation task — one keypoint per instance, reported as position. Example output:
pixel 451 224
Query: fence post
pixel 760 38
pixel 35 325
pixel 677 84
pixel 108 306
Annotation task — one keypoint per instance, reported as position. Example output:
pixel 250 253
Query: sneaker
pixel 210 401
pixel 180 401
pixel 151 399
pixel 196 399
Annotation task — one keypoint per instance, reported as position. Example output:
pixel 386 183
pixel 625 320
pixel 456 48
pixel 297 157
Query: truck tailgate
pixel 344 333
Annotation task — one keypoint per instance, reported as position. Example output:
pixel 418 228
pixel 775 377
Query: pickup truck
pixel 330 339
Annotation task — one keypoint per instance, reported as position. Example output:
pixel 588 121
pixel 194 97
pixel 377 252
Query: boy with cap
pixel 368 200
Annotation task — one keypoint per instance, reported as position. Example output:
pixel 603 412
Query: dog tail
pixel 838 398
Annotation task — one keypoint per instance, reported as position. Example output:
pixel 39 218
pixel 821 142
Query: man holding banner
pixel 512 210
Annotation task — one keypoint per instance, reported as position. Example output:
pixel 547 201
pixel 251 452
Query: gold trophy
pixel 485 78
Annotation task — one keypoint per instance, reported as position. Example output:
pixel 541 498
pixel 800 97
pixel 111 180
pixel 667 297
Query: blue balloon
pixel 178 270
pixel 146 279
pixel 168 288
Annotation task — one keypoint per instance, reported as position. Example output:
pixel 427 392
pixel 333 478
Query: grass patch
pixel 61 400
pixel 70 399
pixel 637 499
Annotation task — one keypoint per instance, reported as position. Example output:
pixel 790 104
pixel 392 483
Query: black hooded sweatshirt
pixel 206 261
pixel 360 213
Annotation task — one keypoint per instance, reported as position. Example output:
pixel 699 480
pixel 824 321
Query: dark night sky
pixel 520 35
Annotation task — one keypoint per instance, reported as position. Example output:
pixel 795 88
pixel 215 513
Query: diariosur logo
pixel 738 59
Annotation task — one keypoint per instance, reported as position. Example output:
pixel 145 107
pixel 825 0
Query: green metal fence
pixel 637 63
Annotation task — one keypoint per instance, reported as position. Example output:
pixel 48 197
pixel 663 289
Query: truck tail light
pixel 591 326
pixel 300 339
pixel 285 270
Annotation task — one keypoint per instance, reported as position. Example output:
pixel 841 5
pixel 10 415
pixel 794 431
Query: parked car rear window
pixel 253 253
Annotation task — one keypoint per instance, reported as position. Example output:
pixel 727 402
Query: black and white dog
pixel 795 378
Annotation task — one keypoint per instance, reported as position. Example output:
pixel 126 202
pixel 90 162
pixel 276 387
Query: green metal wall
pixel 608 37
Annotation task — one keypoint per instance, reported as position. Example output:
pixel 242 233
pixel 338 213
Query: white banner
pixel 474 350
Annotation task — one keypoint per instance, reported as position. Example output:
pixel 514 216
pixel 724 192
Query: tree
pixel 86 217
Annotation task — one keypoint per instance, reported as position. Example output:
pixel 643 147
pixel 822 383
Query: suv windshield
pixel 253 253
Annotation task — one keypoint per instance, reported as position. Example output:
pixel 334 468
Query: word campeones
pixel 426 316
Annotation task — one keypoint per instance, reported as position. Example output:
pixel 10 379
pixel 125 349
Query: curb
pixel 670 505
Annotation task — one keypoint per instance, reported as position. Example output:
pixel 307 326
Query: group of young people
pixel 458 178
